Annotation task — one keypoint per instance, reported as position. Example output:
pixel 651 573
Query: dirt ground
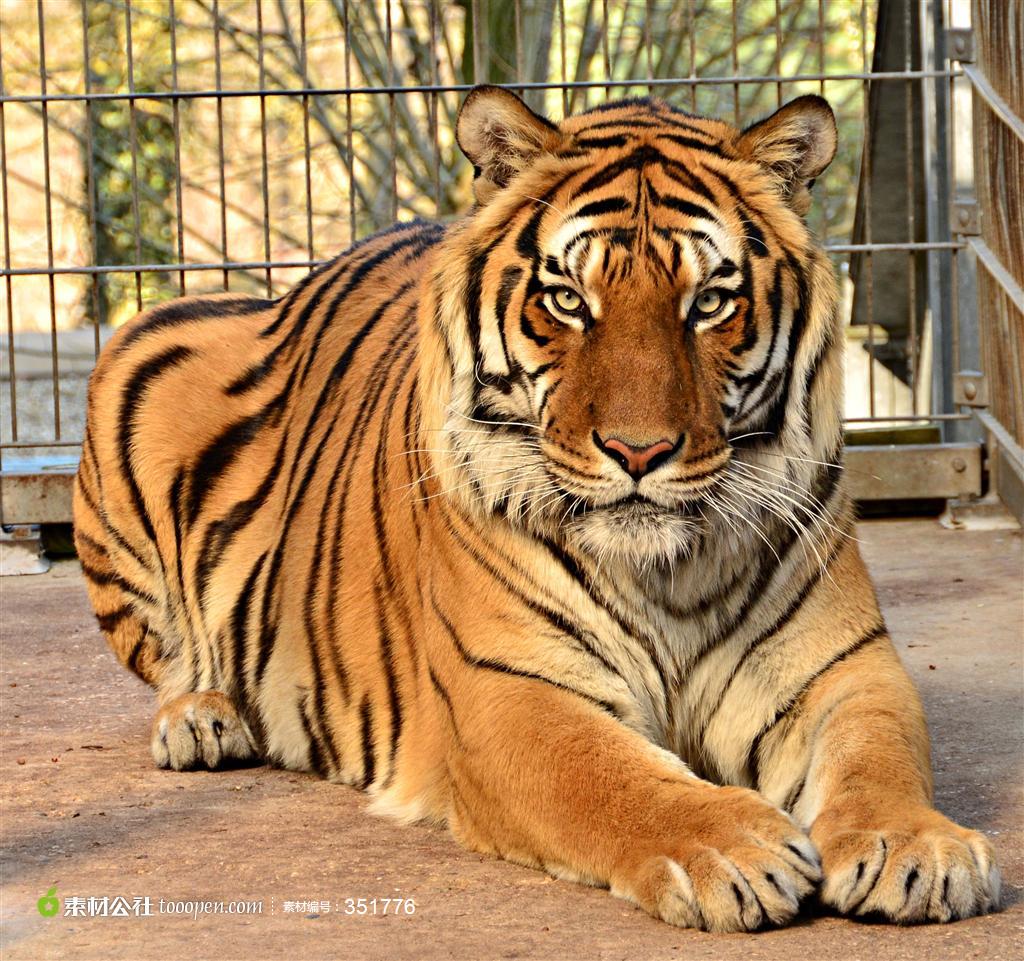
pixel 85 810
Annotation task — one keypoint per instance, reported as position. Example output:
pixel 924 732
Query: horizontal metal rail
pixel 463 87
pixel 998 272
pixel 1013 450
pixel 998 106
pixel 261 264
pixel 893 418
pixel 31 444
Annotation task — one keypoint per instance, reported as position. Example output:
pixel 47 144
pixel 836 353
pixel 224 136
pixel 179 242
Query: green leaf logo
pixel 49 903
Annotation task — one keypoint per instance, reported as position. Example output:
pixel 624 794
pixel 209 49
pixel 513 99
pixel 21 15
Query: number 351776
pixel 380 906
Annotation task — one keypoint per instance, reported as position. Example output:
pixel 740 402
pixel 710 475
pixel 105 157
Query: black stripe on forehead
pixel 692 143
pixel 623 237
pixel 686 207
pixel 687 179
pixel 627 103
pixel 641 157
pixel 626 121
pixel 609 205
pixel 697 236
pixel 605 142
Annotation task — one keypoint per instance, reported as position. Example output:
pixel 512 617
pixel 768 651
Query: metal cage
pixel 151 148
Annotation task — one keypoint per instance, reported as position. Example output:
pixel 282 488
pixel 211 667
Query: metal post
pixel 935 131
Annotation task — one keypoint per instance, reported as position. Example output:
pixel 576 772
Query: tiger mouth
pixel 635 506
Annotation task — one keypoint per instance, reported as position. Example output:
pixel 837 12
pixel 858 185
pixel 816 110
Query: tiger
pixel 533 524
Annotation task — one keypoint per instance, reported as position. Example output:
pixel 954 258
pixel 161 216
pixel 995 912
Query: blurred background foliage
pixel 333 149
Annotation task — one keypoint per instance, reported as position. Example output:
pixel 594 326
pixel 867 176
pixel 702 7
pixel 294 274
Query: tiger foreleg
pixel 539 776
pixel 201 730
pixel 867 797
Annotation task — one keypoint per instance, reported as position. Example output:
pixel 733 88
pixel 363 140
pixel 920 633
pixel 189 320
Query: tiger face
pixel 632 293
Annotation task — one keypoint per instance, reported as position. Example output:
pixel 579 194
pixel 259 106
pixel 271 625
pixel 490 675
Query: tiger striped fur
pixel 534 525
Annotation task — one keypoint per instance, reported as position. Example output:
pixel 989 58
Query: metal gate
pixel 150 148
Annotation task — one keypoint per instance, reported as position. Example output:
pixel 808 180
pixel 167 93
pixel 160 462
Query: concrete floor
pixel 84 809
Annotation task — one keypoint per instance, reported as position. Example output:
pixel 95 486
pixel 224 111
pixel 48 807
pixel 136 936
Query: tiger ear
pixel 796 143
pixel 501 136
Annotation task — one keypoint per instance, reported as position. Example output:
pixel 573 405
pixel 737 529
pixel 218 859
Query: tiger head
pixel 634 300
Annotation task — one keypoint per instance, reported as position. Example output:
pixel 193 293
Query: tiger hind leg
pixel 134 644
pixel 201 730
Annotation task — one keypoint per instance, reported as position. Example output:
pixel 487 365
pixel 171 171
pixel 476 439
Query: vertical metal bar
pixel 479 67
pixel 433 102
pixel 54 365
pixel 133 135
pixel 866 181
pixel 778 53
pixel 176 120
pixel 693 53
pixel 564 60
pixel 935 130
pixel 392 136
pixel 305 132
pixel 913 352
pixel 11 372
pixel 264 166
pixel 220 144
pixel 648 42
pixel 606 45
pixel 954 301
pixel 954 307
pixel 90 178
pixel 735 67
pixel 349 156
pixel 520 65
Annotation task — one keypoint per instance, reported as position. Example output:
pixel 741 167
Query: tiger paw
pixel 200 730
pixel 921 868
pixel 750 870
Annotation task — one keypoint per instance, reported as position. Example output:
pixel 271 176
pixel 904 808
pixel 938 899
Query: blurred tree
pixel 302 174
pixel 132 187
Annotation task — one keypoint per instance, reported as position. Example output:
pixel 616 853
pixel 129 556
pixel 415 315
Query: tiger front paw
pixel 200 730
pixel 748 869
pixel 922 867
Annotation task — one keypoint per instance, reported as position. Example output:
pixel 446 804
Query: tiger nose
pixel 637 460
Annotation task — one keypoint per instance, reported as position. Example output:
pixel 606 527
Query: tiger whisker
pixel 821 511
pixel 431 476
pixel 759 498
pixel 787 483
pixel 494 423
pixel 546 204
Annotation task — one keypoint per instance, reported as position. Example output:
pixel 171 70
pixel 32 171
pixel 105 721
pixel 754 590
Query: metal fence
pixel 150 148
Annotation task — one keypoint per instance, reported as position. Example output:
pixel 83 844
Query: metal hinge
pixel 964 215
pixel 960 44
pixel 970 389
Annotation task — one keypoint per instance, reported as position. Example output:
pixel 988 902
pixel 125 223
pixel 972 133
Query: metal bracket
pixel 960 44
pixel 913 471
pixel 970 388
pixel 964 215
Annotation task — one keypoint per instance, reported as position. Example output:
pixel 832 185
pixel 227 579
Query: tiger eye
pixel 709 301
pixel 567 300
